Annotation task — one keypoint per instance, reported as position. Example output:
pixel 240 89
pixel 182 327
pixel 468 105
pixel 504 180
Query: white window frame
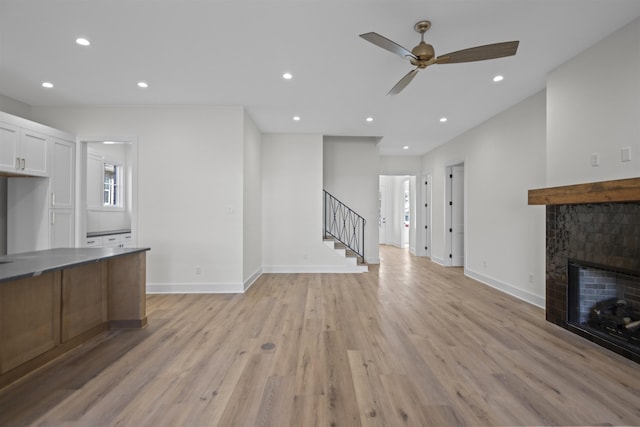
pixel 119 185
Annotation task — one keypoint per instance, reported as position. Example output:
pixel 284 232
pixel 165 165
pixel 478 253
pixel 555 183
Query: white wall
pixel 593 106
pixel 15 107
pixel 400 165
pixel 292 205
pixel 504 237
pixel 350 173
pixel 252 203
pixel 190 188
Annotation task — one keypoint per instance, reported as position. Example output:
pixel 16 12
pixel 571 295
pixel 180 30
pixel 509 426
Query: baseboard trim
pixel 239 288
pixel 314 269
pixel 195 288
pixel 252 279
pixel 507 289
pixel 438 260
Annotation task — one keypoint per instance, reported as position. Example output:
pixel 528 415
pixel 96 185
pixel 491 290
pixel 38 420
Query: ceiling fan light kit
pixel 423 54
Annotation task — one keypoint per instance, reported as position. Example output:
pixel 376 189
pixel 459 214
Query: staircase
pixel 344 231
pixel 351 257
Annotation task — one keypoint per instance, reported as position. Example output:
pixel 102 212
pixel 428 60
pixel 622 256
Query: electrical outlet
pixel 198 270
pixel 530 277
pixel 595 159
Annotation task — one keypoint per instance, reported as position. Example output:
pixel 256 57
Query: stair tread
pixel 339 246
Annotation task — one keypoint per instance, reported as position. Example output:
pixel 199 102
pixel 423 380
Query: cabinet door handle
pixel 53 218
pixel 23 163
pixel 17 162
pixel 53 199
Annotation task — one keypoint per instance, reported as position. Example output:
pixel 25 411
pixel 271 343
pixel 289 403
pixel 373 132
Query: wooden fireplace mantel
pixel 621 190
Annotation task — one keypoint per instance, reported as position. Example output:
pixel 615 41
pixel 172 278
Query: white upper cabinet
pixel 23 151
pixel 9 137
pixel 33 153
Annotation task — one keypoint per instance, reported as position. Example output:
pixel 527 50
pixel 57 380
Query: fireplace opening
pixel 604 302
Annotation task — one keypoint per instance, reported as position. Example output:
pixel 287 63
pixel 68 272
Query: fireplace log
pixel 633 326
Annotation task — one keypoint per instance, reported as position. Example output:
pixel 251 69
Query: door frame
pixel 81 184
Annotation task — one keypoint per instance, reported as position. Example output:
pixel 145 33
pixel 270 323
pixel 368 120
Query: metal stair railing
pixel 344 224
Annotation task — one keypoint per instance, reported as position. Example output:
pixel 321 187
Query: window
pixel 112 185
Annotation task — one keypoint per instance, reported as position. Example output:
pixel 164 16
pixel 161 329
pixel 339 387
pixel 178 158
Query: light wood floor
pixel 410 343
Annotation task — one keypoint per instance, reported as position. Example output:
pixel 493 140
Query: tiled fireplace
pixel 593 261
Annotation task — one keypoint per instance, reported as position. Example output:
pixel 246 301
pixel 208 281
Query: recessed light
pixel 443 119
pixel 406 147
pixel 48 85
pixel 82 41
pixel 498 78
pixel 143 85
pixel 287 76
pixel 369 119
pixel 296 118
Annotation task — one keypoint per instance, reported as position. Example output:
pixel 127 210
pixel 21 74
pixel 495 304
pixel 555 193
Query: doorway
pixel 396 211
pixel 455 214
pixel 99 211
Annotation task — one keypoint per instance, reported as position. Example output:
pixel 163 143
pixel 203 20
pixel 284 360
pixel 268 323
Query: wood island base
pixel 49 313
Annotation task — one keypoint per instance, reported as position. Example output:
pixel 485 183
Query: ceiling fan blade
pixel 403 82
pixel 387 44
pixel 480 53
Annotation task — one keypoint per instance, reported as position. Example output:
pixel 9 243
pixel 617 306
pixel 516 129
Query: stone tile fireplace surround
pixel 598 224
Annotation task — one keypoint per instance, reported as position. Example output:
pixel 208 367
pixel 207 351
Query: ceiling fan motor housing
pixel 424 53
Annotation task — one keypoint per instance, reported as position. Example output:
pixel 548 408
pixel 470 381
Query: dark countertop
pixel 27 264
pixel 108 233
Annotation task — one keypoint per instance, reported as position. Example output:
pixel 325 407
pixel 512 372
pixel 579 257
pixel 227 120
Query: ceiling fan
pixel 423 54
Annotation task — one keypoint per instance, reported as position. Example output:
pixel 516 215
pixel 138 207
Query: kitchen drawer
pixel 126 240
pixel 111 241
pixel 93 242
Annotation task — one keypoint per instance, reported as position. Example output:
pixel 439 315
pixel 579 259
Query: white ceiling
pixel 234 52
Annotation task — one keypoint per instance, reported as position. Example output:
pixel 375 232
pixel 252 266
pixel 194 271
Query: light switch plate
pixel 625 154
pixel 595 159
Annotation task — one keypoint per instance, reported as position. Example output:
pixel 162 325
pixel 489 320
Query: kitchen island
pixel 54 300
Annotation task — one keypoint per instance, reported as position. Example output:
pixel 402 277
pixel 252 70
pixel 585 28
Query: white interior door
pixel 427 214
pixel 405 208
pixel 457 215
pixel 382 214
